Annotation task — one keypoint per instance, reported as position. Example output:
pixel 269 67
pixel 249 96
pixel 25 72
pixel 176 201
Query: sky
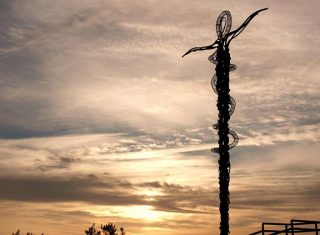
pixel 102 120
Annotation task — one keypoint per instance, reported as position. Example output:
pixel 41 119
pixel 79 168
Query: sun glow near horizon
pixel 145 212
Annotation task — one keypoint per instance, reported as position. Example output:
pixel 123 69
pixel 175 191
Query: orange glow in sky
pixel 103 121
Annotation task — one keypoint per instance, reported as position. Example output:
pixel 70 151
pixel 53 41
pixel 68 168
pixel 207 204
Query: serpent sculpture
pixel 232 103
pixel 225 104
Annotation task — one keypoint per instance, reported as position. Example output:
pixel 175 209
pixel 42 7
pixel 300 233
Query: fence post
pixel 292 228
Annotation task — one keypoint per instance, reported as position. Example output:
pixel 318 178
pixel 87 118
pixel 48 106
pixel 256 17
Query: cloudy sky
pixel 102 120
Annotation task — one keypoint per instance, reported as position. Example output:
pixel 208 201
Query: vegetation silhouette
pixel 28 233
pixel 107 229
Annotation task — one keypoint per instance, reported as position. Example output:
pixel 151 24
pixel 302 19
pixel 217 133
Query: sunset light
pixel 102 120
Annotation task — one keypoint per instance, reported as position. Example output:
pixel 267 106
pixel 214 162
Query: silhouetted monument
pixel 226 104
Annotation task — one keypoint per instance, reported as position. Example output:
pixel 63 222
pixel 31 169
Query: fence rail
pixel 295 226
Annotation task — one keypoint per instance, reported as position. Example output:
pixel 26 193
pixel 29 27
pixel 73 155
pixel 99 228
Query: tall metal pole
pixel 225 104
pixel 222 71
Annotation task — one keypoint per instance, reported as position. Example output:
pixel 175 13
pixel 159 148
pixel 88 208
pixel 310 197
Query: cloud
pixel 272 179
pixel 120 71
pixel 55 189
pixel 56 162
pixel 107 192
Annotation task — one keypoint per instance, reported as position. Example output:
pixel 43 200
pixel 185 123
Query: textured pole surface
pixel 222 72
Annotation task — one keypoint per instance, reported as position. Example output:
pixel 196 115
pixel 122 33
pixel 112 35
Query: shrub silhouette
pixel 16 233
pixel 28 233
pixel 107 229
pixel 92 231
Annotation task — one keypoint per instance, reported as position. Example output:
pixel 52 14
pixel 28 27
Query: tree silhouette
pixel 226 104
pixel 92 231
pixel 28 233
pixel 107 229
pixel 16 233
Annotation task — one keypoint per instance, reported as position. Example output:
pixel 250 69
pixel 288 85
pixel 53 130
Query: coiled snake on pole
pixel 232 104
pixel 223 27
